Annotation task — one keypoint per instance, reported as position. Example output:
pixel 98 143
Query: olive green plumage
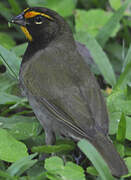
pixel 61 89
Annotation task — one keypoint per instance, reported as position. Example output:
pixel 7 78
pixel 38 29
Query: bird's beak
pixel 20 20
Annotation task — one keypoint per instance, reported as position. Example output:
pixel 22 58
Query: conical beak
pixel 19 20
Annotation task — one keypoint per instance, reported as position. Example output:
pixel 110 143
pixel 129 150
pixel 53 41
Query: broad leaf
pixel 11 150
pixel 11 61
pixel 70 171
pixel 109 27
pixel 89 21
pixel 99 57
pixel 64 7
pixel 21 165
pixel 21 127
pixel 6 98
pixel 6 40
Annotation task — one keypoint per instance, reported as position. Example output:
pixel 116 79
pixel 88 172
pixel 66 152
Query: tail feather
pixel 110 155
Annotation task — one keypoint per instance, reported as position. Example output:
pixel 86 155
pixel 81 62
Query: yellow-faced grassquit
pixel 60 87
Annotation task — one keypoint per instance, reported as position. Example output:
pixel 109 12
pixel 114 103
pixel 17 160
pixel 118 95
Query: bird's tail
pixel 110 155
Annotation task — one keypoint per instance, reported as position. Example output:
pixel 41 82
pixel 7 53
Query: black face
pixel 41 23
pixel 40 26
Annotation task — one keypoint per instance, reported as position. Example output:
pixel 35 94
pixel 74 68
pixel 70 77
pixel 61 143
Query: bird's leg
pixel 50 137
pixel 77 156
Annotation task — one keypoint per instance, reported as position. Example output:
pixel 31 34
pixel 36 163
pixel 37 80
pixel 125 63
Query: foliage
pixel 104 27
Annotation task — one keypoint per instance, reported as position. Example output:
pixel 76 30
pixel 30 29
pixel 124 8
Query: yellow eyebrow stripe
pixel 31 14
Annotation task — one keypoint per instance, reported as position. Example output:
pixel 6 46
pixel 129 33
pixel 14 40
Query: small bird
pixel 60 87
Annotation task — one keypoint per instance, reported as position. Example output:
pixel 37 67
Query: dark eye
pixel 38 19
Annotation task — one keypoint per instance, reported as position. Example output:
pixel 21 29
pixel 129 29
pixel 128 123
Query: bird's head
pixel 39 23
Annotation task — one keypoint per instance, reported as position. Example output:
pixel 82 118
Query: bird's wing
pixel 63 118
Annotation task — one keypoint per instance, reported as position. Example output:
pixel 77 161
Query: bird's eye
pixel 38 19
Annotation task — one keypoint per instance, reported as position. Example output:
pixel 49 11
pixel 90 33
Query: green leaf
pixel 4 175
pixel 128 151
pixel 116 50
pixel 121 105
pixel 116 53
pixel 6 98
pixel 128 95
pixel 2 165
pixel 99 57
pixel 128 163
pixel 11 61
pixel 89 150
pixel 6 82
pixel 117 102
pixel 120 148
pixel 70 171
pixel 21 165
pixel 89 21
pixel 121 133
pixel 5 12
pixel 36 3
pixel 11 150
pixel 21 127
pixel 64 7
pixel 128 128
pixel 125 77
pixel 20 49
pixel 114 121
pixel 6 40
pixel 15 6
pixel 37 171
pixel 73 172
pixel 91 170
pixel 62 148
pixel 109 27
pixel 52 177
pixel 41 176
pixel 115 4
pixel 54 164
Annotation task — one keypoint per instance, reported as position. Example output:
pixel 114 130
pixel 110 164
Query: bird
pixel 60 87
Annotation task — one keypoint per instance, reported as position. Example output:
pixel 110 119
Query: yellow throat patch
pixel 26 32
